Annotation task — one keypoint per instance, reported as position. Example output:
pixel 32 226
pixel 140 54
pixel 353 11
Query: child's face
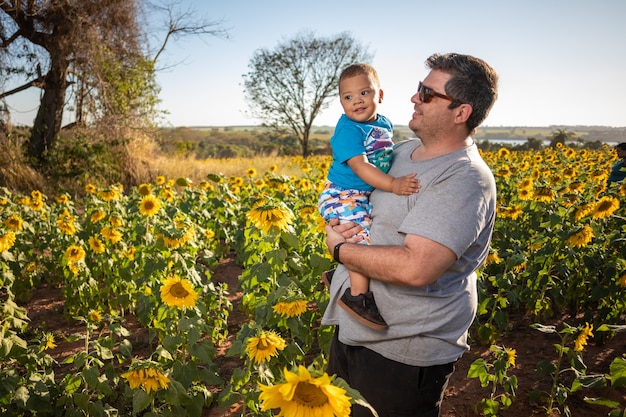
pixel 360 97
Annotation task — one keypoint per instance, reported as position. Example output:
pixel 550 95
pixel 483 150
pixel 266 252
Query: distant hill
pixel 587 133
pixel 246 141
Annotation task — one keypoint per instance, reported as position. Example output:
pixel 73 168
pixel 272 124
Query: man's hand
pixel 346 232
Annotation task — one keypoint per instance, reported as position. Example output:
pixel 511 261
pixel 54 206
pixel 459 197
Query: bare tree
pixel 97 50
pixel 288 87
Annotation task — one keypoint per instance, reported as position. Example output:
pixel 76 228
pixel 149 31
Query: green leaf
pixel 545 368
pixel 618 372
pixel 141 400
pixel 126 348
pixel 602 401
pixel 73 383
pixel 356 396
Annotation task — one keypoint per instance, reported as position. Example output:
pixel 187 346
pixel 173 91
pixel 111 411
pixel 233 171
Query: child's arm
pixel 369 173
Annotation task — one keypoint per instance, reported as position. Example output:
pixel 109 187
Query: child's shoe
pixel 363 308
pixel 327 278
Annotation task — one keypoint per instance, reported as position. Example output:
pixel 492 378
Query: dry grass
pixel 198 169
pixel 15 174
pixel 140 161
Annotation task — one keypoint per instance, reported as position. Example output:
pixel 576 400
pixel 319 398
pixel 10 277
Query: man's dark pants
pixel 393 389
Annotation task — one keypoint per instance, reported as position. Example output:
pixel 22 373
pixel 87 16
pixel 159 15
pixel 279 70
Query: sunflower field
pixel 148 253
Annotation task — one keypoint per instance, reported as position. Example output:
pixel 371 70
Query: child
pixel 362 148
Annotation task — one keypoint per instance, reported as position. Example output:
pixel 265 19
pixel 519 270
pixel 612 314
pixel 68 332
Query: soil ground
pixel 45 310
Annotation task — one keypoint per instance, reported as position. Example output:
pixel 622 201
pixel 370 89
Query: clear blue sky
pixel 561 62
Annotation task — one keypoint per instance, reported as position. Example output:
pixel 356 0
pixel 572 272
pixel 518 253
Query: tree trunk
pixel 50 114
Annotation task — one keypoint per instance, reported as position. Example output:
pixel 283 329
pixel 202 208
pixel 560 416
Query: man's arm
pixel 417 262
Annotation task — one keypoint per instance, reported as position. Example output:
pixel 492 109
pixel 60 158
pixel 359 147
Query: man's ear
pixel 381 93
pixel 463 112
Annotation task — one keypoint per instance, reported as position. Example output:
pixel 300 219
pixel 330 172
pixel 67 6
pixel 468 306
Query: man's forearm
pixel 417 263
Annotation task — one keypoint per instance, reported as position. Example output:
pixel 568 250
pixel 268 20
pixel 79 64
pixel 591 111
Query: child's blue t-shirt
pixel 373 139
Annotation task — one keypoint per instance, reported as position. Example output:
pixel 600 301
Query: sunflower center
pixel 263 344
pixel 309 395
pixel 178 290
pixel 148 205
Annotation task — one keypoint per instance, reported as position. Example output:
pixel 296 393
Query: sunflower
pixel 62 199
pixel 493 258
pixel 74 253
pixel 584 334
pixel 160 180
pixel 504 171
pixel 73 268
pixel 49 342
pixel 526 184
pixel 273 168
pixel 251 172
pixel 510 212
pixel 7 241
pixel 544 194
pixel 110 194
pixel 115 221
pixel 262 347
pixel 149 206
pixel 168 194
pixel 90 189
pixel 147 376
pixel 111 234
pixel 144 189
pixel 96 245
pixel 583 211
pixel 303 395
pixel 525 194
pixel 205 185
pixel 290 308
pixel 178 292
pixel 576 186
pixel 14 222
pixel 511 354
pixel 582 238
pixel 265 217
pixel 237 182
pixel 94 316
pixel 183 182
pixel 36 204
pixel 605 207
pixel 181 235
pixel 503 153
pixel 622 280
pixel 66 225
pixel 569 172
pixel 97 215
pixel 306 211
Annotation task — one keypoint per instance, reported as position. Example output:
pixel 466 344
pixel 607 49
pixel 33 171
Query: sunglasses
pixel 426 94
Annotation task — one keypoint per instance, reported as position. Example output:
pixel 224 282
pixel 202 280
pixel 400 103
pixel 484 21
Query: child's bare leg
pixel 359 283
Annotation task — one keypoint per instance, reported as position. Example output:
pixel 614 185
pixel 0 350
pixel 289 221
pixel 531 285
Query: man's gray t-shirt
pixel 454 207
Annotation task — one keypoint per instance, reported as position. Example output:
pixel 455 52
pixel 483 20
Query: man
pixel 425 249
pixel 618 171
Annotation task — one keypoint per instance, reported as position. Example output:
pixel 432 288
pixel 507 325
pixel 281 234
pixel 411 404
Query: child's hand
pixel 406 185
